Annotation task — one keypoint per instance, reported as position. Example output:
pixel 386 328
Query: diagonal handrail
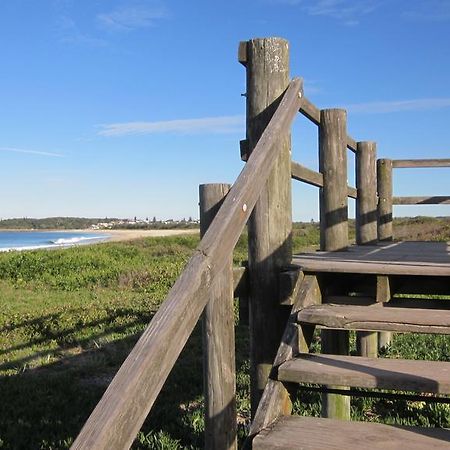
pixel 121 411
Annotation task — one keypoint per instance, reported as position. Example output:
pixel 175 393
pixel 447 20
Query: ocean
pixel 30 240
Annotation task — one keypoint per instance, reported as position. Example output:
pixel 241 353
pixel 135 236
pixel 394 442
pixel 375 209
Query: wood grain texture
pixel 377 318
pixel 404 163
pixel 308 433
pixel 366 202
pixel 333 166
pixel 384 211
pixel 275 400
pixel 380 373
pixel 434 200
pixel 219 367
pixel 123 408
pixel 270 225
pixel 310 111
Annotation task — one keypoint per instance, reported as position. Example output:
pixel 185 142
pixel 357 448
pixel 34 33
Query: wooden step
pixel 357 371
pixel 377 318
pixel 308 433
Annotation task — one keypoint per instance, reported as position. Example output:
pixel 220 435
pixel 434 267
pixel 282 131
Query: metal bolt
pixel 244 207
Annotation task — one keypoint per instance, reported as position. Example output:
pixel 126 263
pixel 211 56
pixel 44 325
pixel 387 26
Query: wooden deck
pixel 397 258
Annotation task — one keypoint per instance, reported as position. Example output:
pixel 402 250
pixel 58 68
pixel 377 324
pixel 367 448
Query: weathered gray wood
pixel 219 366
pixel 302 173
pixel 123 408
pixel 366 223
pixel 333 166
pixel 352 144
pixel 290 282
pixel 270 225
pixel 384 186
pixel 366 202
pixel 310 433
pixel 435 200
pixel 400 163
pixel 334 227
pixel 380 373
pixel 377 318
pixel 310 111
pixel 243 147
pixel 383 295
pixel 275 400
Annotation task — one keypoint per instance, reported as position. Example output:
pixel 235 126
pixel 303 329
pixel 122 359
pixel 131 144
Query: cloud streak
pixel 428 11
pixel 421 104
pixel 205 125
pixel 131 17
pixel 348 12
pixel 31 152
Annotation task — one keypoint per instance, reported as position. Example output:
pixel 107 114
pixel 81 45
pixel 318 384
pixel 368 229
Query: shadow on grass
pixel 45 407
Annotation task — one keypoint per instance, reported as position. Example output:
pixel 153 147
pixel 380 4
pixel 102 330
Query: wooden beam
pixel 404 163
pixel 219 367
pixel 434 200
pixel 302 173
pixel 123 408
pixel 310 111
pixel 384 212
pixel 270 225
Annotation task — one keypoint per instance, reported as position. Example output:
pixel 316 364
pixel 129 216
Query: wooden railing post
pixel 270 225
pixel 334 228
pixel 366 224
pixel 333 166
pixel 219 366
pixel 384 185
pixel 385 231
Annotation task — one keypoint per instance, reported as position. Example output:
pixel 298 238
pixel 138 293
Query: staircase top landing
pixel 394 258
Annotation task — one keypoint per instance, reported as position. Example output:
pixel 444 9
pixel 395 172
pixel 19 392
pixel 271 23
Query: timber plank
pixel 377 318
pixel 357 371
pixel 308 433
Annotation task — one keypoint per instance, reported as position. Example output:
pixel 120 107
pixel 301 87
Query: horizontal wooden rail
pixel 126 403
pixel 311 112
pixel 410 163
pixel 302 173
pixel 434 200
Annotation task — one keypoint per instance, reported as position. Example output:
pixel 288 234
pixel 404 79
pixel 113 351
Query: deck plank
pixel 377 318
pixel 308 433
pixel 360 372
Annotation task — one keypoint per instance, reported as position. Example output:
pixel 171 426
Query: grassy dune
pixel 68 318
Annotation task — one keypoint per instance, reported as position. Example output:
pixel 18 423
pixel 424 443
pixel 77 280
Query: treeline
pixel 50 223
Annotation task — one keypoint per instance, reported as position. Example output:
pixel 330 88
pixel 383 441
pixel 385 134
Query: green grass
pixel 68 319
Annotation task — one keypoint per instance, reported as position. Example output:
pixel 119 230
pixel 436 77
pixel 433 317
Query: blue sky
pixel 123 107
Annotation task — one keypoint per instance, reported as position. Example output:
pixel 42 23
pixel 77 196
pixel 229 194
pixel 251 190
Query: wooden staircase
pixel 335 297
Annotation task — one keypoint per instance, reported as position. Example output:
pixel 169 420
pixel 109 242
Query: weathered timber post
pixel 334 228
pixel 333 166
pixel 385 231
pixel 366 224
pixel 270 225
pixel 219 366
pixel 384 185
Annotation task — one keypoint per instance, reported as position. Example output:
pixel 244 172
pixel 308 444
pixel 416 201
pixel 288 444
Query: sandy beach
pixel 128 235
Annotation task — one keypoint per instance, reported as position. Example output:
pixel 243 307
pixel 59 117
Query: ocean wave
pixel 75 240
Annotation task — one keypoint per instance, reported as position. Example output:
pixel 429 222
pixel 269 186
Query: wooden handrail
pixel 411 163
pixel 431 200
pixel 119 415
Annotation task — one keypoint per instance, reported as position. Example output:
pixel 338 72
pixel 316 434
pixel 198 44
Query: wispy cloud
pixel 131 17
pixel 71 34
pixel 31 152
pixel 421 104
pixel 428 10
pixel 349 12
pixel 224 124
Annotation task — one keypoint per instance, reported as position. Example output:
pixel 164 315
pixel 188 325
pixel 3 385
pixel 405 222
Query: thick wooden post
pixel 333 166
pixel 385 231
pixel 384 185
pixel 366 224
pixel 219 366
pixel 270 225
pixel 334 228
pixel 366 185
